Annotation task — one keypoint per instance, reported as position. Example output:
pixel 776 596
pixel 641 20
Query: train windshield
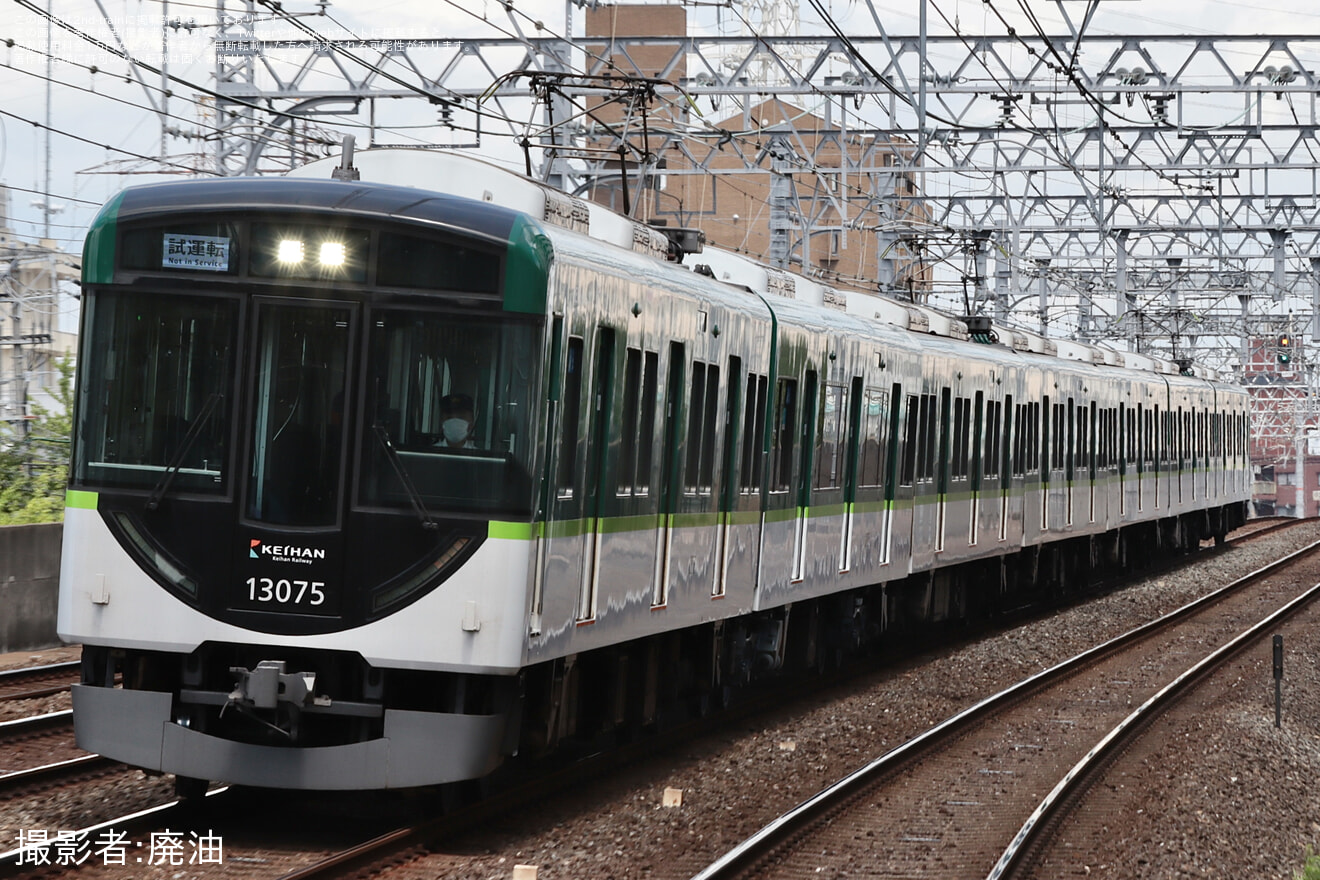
pixel 299 382
pixel 155 391
pixel 448 404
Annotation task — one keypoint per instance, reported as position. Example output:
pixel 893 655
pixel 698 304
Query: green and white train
pixel 680 474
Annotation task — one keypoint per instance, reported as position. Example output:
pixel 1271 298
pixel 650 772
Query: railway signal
pixel 1284 348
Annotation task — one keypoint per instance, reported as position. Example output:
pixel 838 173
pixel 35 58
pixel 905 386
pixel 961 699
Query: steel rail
pixel 14 677
pixel 16 862
pixel 35 724
pixel 1033 834
pixel 745 855
pixel 50 772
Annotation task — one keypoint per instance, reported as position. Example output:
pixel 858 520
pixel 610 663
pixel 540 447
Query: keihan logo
pixel 283 552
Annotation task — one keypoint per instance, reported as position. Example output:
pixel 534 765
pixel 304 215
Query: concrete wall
pixel 29 586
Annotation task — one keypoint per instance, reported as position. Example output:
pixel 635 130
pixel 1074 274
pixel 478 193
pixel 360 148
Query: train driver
pixel 456 421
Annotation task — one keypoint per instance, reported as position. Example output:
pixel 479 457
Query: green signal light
pixel 1283 348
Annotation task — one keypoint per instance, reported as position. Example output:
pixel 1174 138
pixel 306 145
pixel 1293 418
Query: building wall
pixel 732 207
pixel 29 585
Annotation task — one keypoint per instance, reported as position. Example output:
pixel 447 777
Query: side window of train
pixel 753 457
pixel 1056 438
pixel 1070 447
pixel 1129 436
pixel 638 424
pixel 1090 438
pixel 672 411
pixel 781 465
pixel 1162 438
pixel 875 411
pixel 1144 447
pixel 1028 437
pixel 810 412
pixel 830 445
pixel 1100 416
pixel 572 410
pixel 1019 440
pixel 962 422
pixel 911 440
pixel 703 411
pixel 732 436
pixel 927 439
pixel 993 425
pixel 1006 446
pixel 944 451
pixel 1083 456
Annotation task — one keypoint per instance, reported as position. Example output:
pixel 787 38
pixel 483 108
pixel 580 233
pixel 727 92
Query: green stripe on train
pixel 509 531
pixel 80 500
pixel 98 263
pixel 527 267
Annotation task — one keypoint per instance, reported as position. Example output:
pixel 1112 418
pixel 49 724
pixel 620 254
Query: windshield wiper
pixel 172 469
pixel 413 495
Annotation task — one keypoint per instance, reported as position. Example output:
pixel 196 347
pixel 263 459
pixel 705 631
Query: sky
pixel 103 126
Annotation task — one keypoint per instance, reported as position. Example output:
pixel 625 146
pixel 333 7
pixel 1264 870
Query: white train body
pixel 679 476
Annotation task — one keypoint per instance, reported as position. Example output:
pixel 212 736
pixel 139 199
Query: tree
pixel 34 470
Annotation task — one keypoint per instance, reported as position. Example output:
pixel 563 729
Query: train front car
pixel 302 482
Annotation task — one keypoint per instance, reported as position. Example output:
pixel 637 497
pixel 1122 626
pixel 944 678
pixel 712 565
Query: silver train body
pixel 709 476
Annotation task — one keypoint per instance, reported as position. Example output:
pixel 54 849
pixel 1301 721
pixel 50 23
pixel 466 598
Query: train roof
pixel 471 178
pixel 367 200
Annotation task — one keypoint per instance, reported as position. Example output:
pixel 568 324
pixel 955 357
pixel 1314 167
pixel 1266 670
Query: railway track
pixel 125 833
pixel 1040 829
pixel 405 843
pixel 32 682
pixel 39 753
pixel 52 728
pixel 979 794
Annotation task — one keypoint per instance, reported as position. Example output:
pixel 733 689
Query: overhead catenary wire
pixel 368 61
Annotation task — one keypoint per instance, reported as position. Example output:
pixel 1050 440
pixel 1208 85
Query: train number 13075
pixel 285 592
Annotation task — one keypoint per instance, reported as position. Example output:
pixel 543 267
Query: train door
pixel 595 488
pixel 548 499
pixel 727 493
pixel 892 472
pixel 1192 449
pixel 1073 414
pixel 973 449
pixel 745 554
pixel 804 476
pixel 943 471
pixel 670 490
pixel 991 475
pixel 851 450
pixel 562 592
pixel 1143 442
pixel 925 510
pixel 901 489
pixel 1092 443
pixel 1004 463
pixel 1125 422
pixel 1203 440
pixel 1180 441
pixel 1048 432
pixel 1157 440
pixel 292 557
pixel 776 558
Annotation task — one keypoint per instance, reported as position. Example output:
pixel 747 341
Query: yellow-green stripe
pixel 509 531
pixel 80 500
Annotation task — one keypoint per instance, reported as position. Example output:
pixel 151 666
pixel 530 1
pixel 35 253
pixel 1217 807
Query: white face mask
pixel 456 431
